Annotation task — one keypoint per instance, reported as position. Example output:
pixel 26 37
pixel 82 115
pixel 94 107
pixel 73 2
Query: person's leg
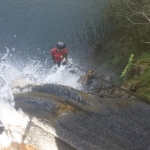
pixel 64 63
pixel 58 64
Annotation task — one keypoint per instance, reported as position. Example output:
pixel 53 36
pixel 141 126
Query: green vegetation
pixel 140 75
pixel 130 28
pixel 145 58
pixel 130 62
pixel 129 22
pixel 129 32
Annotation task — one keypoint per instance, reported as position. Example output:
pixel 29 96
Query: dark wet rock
pixel 2 128
pixel 92 82
pixel 119 91
pixel 98 45
pixel 87 122
pixel 65 92
pixel 134 87
pixel 135 71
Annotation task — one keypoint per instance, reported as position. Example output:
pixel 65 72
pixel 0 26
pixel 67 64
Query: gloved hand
pixel 64 59
pixel 64 62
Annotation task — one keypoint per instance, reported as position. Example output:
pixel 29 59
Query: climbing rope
pixel 127 91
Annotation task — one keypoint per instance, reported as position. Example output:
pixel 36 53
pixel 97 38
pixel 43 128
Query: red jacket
pixel 58 56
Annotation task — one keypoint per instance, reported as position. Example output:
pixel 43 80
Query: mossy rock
pixel 138 77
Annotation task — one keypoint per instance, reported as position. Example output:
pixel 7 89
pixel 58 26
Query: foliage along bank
pixel 130 31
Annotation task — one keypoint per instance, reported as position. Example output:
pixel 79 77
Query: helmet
pixel 61 45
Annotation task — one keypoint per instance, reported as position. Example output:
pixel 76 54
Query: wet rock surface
pixel 16 146
pixel 92 82
pixel 83 121
pixel 2 128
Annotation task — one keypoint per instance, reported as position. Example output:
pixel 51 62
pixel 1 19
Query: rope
pixel 127 91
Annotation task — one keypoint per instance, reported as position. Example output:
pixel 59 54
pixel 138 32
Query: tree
pixel 142 17
pixel 129 21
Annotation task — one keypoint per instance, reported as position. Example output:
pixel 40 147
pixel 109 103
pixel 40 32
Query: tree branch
pixel 133 21
pixel 143 14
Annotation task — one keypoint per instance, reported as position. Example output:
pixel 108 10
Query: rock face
pixel 137 78
pixel 83 121
pixel 91 82
pixel 135 71
pixel 1 128
pixel 16 146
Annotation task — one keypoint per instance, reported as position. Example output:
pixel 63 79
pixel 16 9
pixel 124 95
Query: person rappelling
pixel 59 54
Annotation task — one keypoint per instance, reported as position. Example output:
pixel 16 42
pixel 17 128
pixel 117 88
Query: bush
pixel 128 22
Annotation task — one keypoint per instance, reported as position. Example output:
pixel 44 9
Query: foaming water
pixel 10 118
pixel 64 76
pixel 11 77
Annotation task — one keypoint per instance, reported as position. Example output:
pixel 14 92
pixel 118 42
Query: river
pixel 28 30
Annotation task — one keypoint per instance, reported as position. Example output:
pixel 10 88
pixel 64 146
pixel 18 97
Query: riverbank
pixel 124 54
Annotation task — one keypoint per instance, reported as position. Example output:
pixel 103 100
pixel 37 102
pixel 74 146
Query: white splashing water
pixel 11 77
